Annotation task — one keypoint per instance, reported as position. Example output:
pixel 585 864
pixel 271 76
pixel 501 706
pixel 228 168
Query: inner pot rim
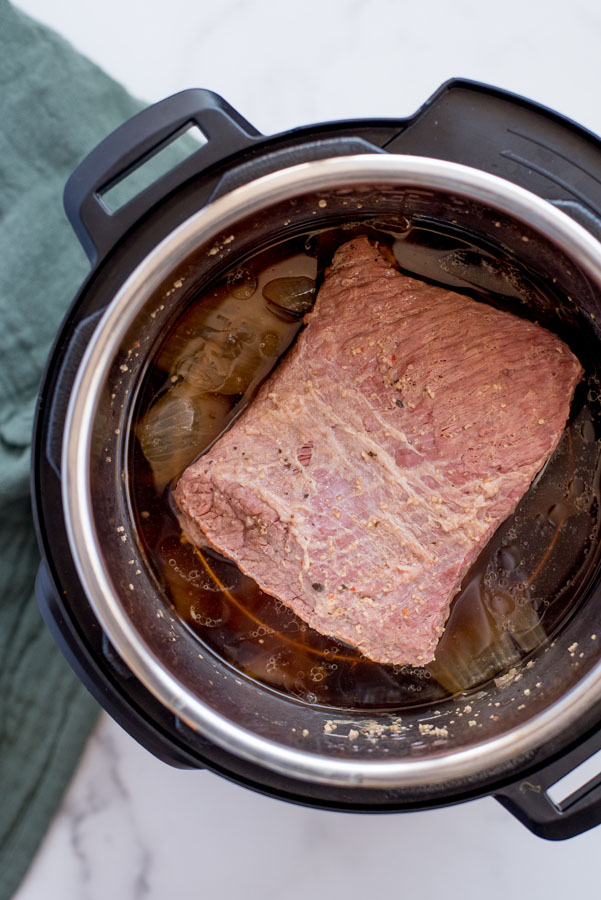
pixel 201 228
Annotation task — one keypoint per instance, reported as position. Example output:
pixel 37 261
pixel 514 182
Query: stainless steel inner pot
pixel 473 738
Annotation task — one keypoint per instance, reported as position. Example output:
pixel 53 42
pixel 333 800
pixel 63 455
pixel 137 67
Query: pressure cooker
pixel 485 160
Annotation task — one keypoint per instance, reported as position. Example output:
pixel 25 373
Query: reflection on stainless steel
pixel 454 757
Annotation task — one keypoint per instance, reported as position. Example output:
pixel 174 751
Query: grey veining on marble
pixel 89 817
pixel 101 842
pixel 131 828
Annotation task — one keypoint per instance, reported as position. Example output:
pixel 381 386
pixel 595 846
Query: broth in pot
pixel 208 368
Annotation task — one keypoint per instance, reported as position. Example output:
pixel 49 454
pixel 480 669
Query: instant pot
pixel 489 162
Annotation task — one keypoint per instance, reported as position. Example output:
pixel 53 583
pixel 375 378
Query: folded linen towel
pixel 55 106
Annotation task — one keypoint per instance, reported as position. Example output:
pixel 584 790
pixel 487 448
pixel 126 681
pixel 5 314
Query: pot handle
pixel 512 137
pixel 557 820
pixel 134 143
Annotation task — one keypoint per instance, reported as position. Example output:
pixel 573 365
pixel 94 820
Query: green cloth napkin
pixel 55 106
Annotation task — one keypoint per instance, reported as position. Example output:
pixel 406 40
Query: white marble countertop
pixel 130 827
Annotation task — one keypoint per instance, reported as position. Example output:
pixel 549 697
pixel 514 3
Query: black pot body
pixel 463 122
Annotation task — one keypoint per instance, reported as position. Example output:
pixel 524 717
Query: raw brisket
pixel 379 458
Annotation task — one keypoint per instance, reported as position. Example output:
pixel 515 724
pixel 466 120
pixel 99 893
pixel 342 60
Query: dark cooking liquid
pixel 523 584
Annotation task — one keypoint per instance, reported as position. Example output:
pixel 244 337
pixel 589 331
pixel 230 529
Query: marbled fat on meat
pixel 379 458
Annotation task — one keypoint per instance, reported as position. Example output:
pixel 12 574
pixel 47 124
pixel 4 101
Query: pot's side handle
pixel 556 820
pixel 512 137
pixel 135 143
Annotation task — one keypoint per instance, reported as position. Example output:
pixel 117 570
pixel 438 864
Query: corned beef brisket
pixel 376 462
